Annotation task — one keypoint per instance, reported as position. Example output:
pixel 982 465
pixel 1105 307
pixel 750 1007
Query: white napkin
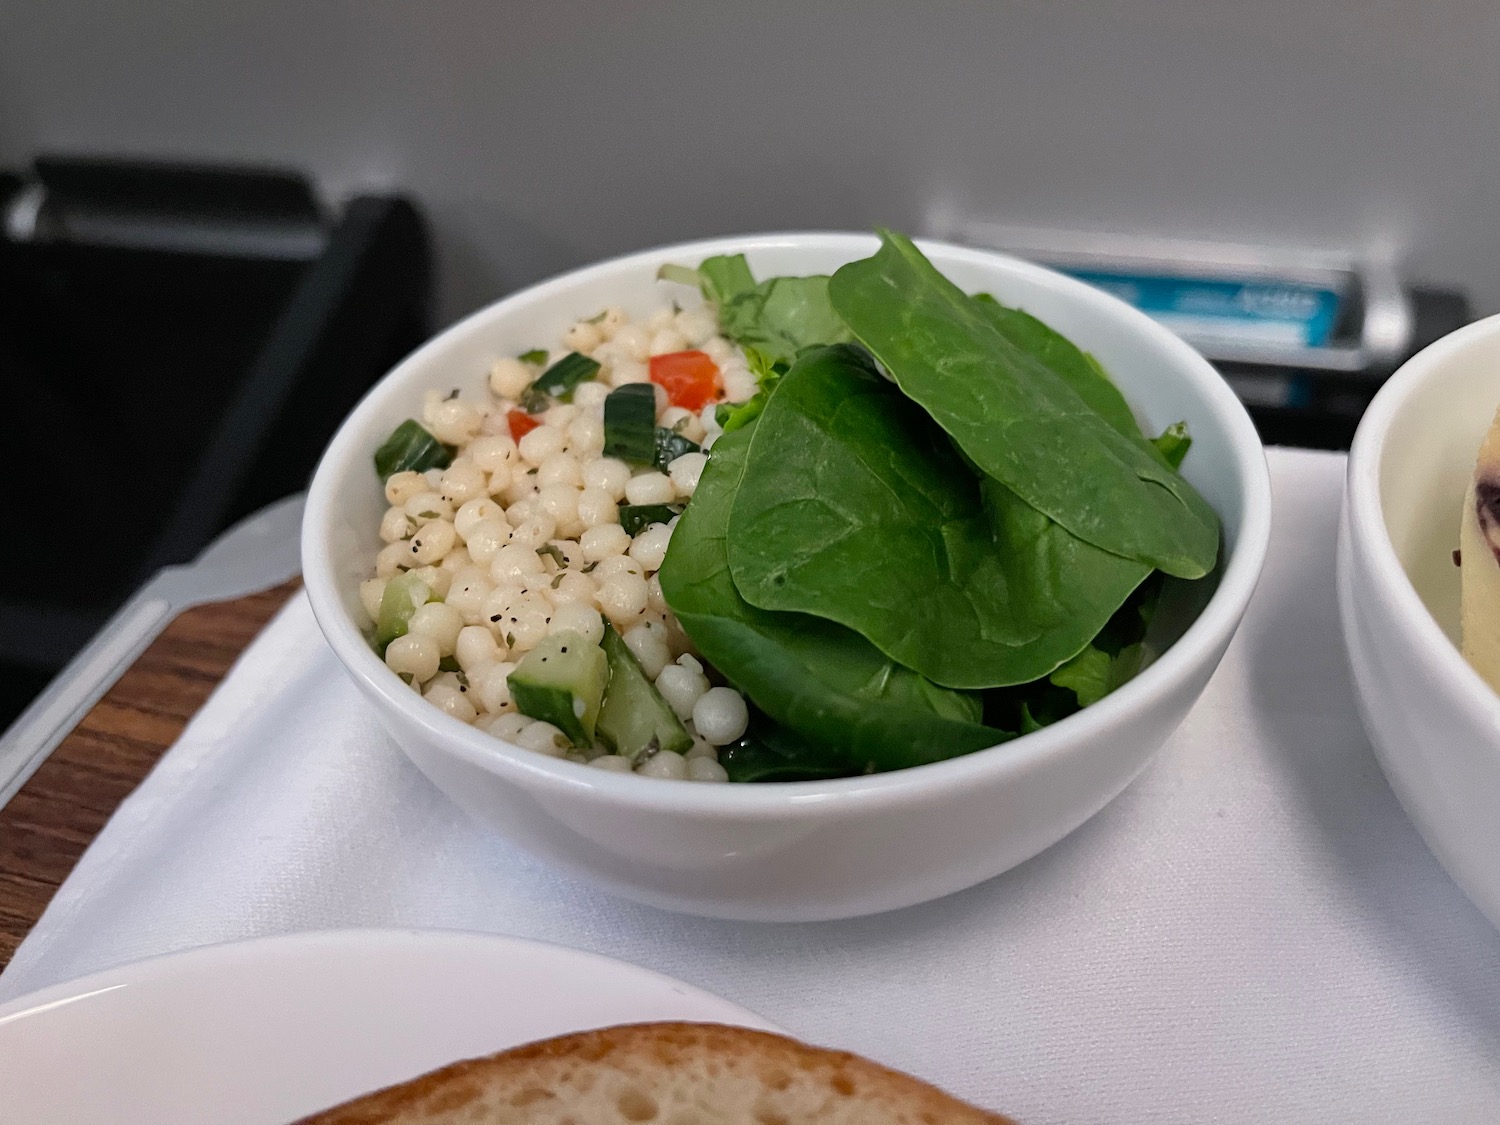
pixel 1252 932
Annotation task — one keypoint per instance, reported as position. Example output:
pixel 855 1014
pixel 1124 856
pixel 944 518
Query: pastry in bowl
pixel 670 1073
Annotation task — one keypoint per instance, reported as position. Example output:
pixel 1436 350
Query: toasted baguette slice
pixel 662 1074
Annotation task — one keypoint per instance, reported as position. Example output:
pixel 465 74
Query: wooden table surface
pixel 50 822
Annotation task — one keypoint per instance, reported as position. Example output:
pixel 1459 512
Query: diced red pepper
pixel 521 424
pixel 690 379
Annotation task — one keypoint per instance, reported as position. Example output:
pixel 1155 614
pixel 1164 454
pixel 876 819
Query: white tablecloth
pixel 1252 932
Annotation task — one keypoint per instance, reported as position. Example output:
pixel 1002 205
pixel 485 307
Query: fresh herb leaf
pixel 682 275
pixel 410 448
pixel 536 357
pixel 450 664
pixel 725 277
pixel 855 507
pixel 635 518
pixel 732 416
pixel 771 752
pixel 550 550
pixel 597 318
pixel 824 681
pixel 780 316
pixel 564 377
pixel 1016 419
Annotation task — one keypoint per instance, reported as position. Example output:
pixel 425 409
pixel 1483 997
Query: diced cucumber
pixel 635 719
pixel 630 423
pixel 561 682
pixel 403 595
pixel 559 381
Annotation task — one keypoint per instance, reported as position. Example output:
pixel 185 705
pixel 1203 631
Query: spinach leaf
pixel 1067 360
pixel 856 508
pixel 779 317
pixel 771 752
pixel 732 415
pixel 823 681
pixel 411 448
pixel 1018 420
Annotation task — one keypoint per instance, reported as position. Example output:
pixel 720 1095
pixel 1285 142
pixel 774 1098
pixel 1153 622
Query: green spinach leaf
pixel 772 752
pixel 855 507
pixel 1173 444
pixel 823 681
pixel 1018 420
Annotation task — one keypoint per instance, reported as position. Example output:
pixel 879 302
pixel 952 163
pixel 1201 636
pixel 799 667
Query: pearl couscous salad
pixel 801 528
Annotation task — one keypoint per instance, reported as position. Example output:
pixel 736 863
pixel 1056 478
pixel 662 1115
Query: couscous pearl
pixel 490 685
pixel 509 377
pixel 543 738
pixel 456 560
pixel 665 764
pixel 487 538
pixel 414 656
pixel 401 487
pixel 427 506
pixel 702 749
pixel 608 475
pixel 560 468
pixel 534 531
pixel 560 503
pixel 371 591
pixel 706 769
pixel 512 563
pixel 572 586
pixel 467 594
pixel 561 415
pixel 720 715
pixel 580 618
pixel 453 701
pixel 439 621
pixel 648 644
pixel 697 325
pixel 718 349
pixel 437 579
pixel 493 451
pixel 650 488
pixel 475 647
pixel 464 481
pixel 508 725
pixel 431 542
pixel 667 341
pixel 395 525
pixel 523 621
pixel 661 318
pixel 682 685
pixel 520 510
pixel 603 541
pixel 688 425
pixel 656 601
pixel 649 548
pixel 622 597
pixel 611 320
pixel 473 512
pixel 632 340
pixel 686 471
pixel 616 564
pixel 739 384
pixel 539 444
pixel 626 371
pixel 583 337
pixel 611 762
pixel 590 395
pixel 595 507
pixel 586 435
pixel 392 560
pixel 453 421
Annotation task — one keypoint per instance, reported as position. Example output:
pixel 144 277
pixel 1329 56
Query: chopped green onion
pixel 536 357
pixel 635 518
pixel 1173 443
pixel 561 379
pixel 630 423
pixel 411 448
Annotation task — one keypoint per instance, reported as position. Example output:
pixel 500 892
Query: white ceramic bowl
pixel 808 850
pixel 1434 723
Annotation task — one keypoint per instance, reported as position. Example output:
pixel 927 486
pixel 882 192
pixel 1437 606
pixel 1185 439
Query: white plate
pixel 262 1032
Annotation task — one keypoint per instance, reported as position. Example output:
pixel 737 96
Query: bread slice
pixel 662 1074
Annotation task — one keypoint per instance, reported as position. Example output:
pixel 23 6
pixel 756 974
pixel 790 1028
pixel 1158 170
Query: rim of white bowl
pixel 1367 515
pixel 1215 623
